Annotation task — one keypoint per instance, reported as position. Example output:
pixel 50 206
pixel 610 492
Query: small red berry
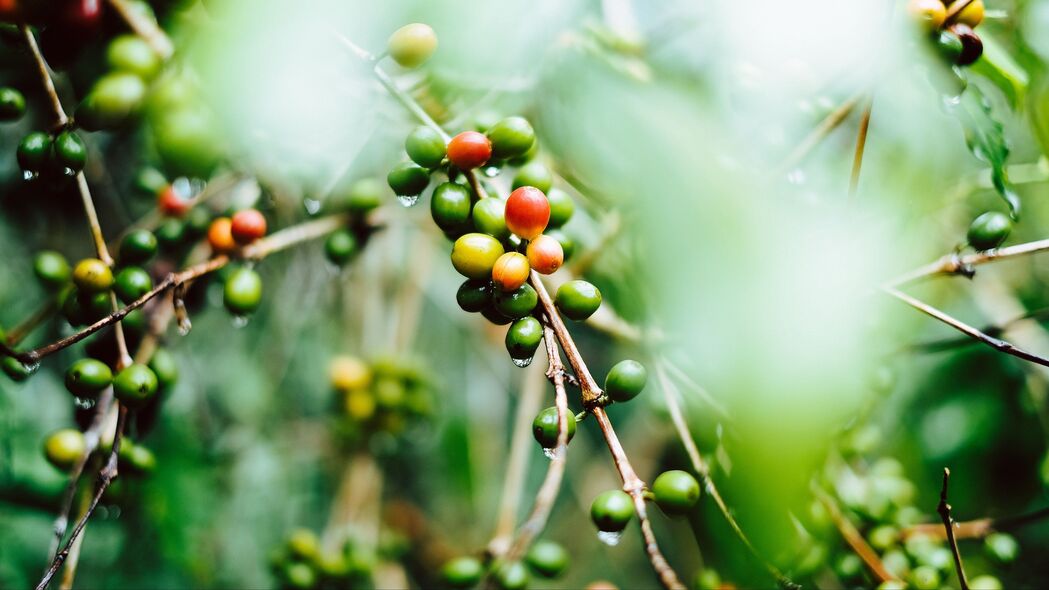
pixel 527 212
pixel 510 271
pixel 171 203
pixel 469 150
pixel 247 226
pixel 220 235
pixel 545 254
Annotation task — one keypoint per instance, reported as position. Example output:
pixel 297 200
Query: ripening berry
pixel 972 14
pixel 612 510
pixel 474 255
pixel 676 492
pixel 247 226
pixel 220 235
pixel 527 212
pixel 972 45
pixel 469 150
pixel 545 254
pixel 510 271
pixel 411 45
pixel 349 372
pixel 91 275
pixel 64 448
pixel 930 14
pixel 171 203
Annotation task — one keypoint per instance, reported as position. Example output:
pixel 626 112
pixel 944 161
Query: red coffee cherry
pixel 510 271
pixel 220 235
pixel 247 226
pixel 527 212
pixel 171 203
pixel 545 254
pixel 469 150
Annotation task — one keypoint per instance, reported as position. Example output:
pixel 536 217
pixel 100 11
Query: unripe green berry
pixel 411 45
pixel 625 380
pixel 130 53
pixel 112 101
pixel 535 174
pixel 52 269
pixel 340 246
pixel 408 179
pixel 474 295
pixel 561 207
pixel 425 147
pixel 135 385
pixel 15 370
pixel 676 491
pixel 137 247
pixel 88 377
pixel 612 510
pixel 462 572
pixel 489 217
pixel 545 427
pixel 131 283
pixel 164 367
pixel 12 104
pixel 989 230
pixel 511 137
pixel 511 576
pixel 69 151
pixel 1001 547
pixel 523 338
pixel 517 303
pixel 548 558
pixel 577 300
pixel 450 207
pixel 34 151
pixel 242 293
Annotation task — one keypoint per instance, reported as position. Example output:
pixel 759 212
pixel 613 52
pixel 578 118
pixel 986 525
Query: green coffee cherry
pixel 547 558
pixel 536 174
pixel 517 303
pixel 64 448
pixel 676 492
pixel 364 195
pixel 848 566
pixel 612 510
pixel 299 575
pixel 625 380
pixel 12 104
pixel 544 427
pixel 164 367
pixel 114 100
pixel 135 385
pixel 949 46
pixel 340 246
pixel 52 269
pixel 411 45
pixel 883 537
pixel 170 233
pixel 34 152
pixel 188 141
pixel 129 53
pixel 523 338
pixel 1001 547
pixel 15 370
pixel 511 137
pixel 924 577
pixel 474 295
pixel 243 291
pixel 69 151
pixel 91 275
pixel 985 582
pixel 408 179
pixel 892 584
pixel 139 458
pixel 561 207
pixel 577 300
pixel 511 576
pixel 489 217
pixel 450 207
pixel 474 255
pixel 425 147
pixel 88 377
pixel 131 283
pixel 989 230
pixel 462 572
pixel 707 579
pixel 137 247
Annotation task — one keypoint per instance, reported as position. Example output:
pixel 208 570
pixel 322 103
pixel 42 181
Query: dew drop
pixel 184 326
pixel 610 538
pixel 523 362
pixel 84 403
pixel 68 171
pixel 950 102
pixel 408 200
pixel 491 171
pixel 550 453
pixel 796 177
pixel 312 206
pixel 182 187
pixel 31 367
pixel 29 175
pixel 239 321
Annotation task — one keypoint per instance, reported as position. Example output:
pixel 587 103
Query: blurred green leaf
pixel 998 66
pixel 985 136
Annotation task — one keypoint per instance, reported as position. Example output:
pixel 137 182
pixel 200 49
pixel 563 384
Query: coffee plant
pixel 527 294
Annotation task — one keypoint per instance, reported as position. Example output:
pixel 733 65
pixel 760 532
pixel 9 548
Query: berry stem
pixel 853 537
pixel 45 76
pixel 590 391
pixel 948 525
pixel 861 145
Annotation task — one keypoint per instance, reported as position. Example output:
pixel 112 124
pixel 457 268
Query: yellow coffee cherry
pixel 349 372
pixel 972 14
pixel 411 45
pixel 360 404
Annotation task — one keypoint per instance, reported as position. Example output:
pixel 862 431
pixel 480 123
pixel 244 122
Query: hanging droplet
pixel 184 325
pixel 408 200
pixel 610 538
pixel 550 453
pixel 522 362
pixel 312 206
pixel 29 175
pixel 491 171
pixel 239 321
pixel 950 102
pixel 68 171
pixel 84 403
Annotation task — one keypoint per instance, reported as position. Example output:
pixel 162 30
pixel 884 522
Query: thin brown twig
pixel 853 537
pixel 45 76
pixel 948 525
pixel 953 264
pixel 822 130
pixel 976 529
pixel 591 392
pixel 861 145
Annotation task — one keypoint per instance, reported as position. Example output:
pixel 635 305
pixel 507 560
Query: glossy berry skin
pixel 114 99
pixel 972 46
pixel 523 338
pixel 14 369
pixel 548 558
pixel 989 230
pixel 489 217
pixel 64 448
pixel 462 572
pixel 187 140
pixel 474 295
pixel 340 246
pixel 562 207
pixel 171 203
pixel 512 575
pixel 220 236
pixel 299 575
pixel 527 212
pixel 52 269
pixel 676 492
pixel 577 300
pixel 625 380
pixel 474 255
pixel 164 367
pixel 929 14
pixel 469 150
pixel 972 14
pixel 34 151
pixel 425 147
pixel 516 304
pixel 408 179
pixel 510 271
pixel 91 275
pixel 247 226
pixel 243 291
pixel 88 377
pixel 493 315
pixel 131 283
pixel 450 207
pixel 536 174
pixel 511 137
pixel 69 151
pixel 135 385
pixel 138 246
pixel 130 53
pixel 12 104
pixel 545 254
pixel 411 45
pixel 544 427
pixel 567 243
pixel 364 195
pixel 612 510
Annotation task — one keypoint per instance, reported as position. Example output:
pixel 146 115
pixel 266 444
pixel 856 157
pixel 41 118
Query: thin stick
pixel 948 524
pixel 45 76
pixel 853 537
pixel 861 144
pixel 590 391
pixel 979 528
pixel 700 466
pixel 822 130
pixel 74 552
pixel 145 28
pixel 952 264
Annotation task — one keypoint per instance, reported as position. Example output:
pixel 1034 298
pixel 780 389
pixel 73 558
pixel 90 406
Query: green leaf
pixel 985 136
pixel 1002 70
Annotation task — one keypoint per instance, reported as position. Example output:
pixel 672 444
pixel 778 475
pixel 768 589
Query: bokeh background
pixel 671 122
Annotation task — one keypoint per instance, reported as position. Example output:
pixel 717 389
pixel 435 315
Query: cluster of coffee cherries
pixel 386 396
pixel 545 558
pixel 956 40
pixel 40 152
pixel 675 492
pixel 301 563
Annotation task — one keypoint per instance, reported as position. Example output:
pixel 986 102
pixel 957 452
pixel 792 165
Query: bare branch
pixel 948 524
pixel 861 145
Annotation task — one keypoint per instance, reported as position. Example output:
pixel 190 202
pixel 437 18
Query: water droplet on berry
pixel 522 362
pixel 31 367
pixel 84 403
pixel 312 206
pixel 408 200
pixel 29 175
pixel 239 321
pixel 68 172
pixel 610 538
pixel 184 326
pixel 491 171
pixel 550 453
